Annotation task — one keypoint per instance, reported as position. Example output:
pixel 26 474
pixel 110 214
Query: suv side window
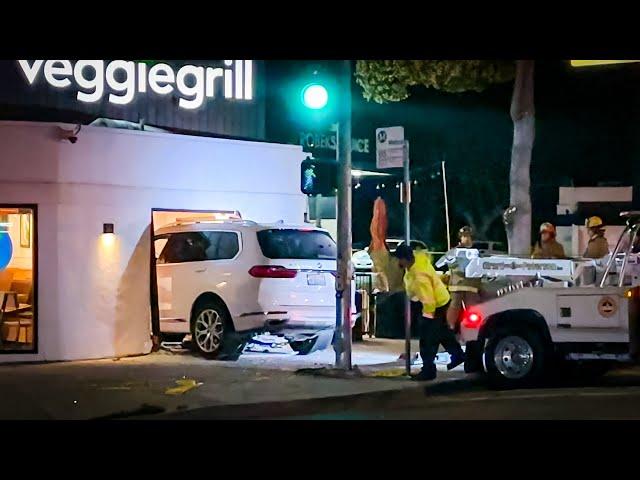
pixel 185 247
pixel 222 245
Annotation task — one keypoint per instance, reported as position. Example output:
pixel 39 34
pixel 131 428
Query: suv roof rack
pixel 195 221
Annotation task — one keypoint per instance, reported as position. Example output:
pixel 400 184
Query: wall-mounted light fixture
pixel 108 234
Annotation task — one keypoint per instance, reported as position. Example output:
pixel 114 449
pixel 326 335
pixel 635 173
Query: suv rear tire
pixel 210 330
pixel 515 358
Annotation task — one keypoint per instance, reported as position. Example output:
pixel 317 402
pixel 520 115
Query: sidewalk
pixel 131 387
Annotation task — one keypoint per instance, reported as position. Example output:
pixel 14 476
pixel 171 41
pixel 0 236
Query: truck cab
pixel 533 313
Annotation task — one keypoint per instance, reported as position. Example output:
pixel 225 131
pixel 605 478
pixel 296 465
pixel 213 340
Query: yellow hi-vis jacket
pixel 424 285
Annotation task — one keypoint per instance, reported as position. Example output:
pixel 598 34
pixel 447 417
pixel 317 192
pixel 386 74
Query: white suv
pixel 224 281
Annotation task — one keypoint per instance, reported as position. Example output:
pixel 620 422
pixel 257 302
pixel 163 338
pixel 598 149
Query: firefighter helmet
pixel 593 222
pixel 465 231
pixel 547 227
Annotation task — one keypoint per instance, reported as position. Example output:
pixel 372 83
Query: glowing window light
pixel 6 250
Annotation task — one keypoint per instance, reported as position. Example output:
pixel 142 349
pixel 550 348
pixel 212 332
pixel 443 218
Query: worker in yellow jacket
pixel 423 284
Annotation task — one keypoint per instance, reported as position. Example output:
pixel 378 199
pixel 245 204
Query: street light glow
pixel 315 96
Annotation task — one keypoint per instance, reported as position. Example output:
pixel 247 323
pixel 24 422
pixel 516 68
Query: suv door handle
pixel 200 270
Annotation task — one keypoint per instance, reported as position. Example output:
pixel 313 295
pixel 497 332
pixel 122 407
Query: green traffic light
pixel 315 96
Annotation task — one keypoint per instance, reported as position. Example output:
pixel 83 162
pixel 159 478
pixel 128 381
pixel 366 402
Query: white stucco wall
pixel 569 197
pixel 93 298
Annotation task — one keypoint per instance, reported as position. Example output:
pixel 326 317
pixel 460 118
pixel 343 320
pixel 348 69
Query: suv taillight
pixel 272 271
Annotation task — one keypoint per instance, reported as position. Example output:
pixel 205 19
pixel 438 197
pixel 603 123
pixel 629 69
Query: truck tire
pixel 514 358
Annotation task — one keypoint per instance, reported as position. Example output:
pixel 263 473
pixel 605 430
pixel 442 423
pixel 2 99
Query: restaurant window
pixel 17 279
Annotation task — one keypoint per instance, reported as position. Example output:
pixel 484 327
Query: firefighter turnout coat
pixel 597 247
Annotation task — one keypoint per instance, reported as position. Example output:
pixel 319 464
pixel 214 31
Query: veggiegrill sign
pixel 125 79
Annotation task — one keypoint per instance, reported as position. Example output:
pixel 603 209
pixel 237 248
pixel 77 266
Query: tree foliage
pixel 389 80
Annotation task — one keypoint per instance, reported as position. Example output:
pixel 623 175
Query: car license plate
pixel 316 279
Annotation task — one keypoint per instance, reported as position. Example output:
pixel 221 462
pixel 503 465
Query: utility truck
pixel 534 314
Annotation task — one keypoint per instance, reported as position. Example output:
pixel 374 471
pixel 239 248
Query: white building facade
pixel 85 293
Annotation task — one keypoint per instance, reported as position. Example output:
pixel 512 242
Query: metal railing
pixel 365 286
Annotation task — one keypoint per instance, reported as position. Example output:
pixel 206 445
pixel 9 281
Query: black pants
pixel 390 316
pixel 433 332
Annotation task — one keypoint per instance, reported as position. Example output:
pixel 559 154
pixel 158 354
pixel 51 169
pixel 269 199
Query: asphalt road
pixel 615 396
pixel 591 404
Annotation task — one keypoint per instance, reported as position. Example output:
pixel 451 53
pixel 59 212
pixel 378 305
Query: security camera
pixel 70 135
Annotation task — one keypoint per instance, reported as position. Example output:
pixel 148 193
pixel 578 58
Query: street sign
pixel 390 147
pixel 589 63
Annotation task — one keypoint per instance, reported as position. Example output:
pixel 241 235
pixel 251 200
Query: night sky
pixel 586 134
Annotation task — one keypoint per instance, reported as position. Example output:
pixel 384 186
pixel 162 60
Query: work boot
pixel 424 376
pixel 455 361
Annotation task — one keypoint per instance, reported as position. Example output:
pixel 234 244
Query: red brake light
pixel 272 271
pixel 471 319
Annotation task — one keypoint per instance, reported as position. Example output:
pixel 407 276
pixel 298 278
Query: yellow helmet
pixel 593 222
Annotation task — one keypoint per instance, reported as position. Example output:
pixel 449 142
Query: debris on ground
pixel 173 347
pixel 183 386
pixel 415 358
pixel 332 372
pixel 392 373
pixel 267 343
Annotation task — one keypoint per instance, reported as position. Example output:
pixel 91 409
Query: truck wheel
pixel 210 328
pixel 514 358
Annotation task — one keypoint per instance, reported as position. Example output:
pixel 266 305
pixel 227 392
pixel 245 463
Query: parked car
pixel 223 282
pixel 361 260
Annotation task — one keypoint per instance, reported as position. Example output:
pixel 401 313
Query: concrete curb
pixel 412 394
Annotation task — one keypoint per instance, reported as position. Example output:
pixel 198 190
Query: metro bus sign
pixel 591 63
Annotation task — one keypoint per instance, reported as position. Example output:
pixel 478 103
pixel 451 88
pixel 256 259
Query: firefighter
pixel 464 291
pixel 598 246
pixel 465 237
pixel 422 284
pixel 547 246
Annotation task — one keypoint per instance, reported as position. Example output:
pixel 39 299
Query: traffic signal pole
pixel 345 270
pixel 407 240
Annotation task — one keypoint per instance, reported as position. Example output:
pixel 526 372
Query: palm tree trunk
pixel 523 116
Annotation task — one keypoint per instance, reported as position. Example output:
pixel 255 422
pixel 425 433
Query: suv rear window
pixel 297 244
pixel 197 246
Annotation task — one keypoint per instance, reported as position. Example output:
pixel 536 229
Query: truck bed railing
pixel 630 232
